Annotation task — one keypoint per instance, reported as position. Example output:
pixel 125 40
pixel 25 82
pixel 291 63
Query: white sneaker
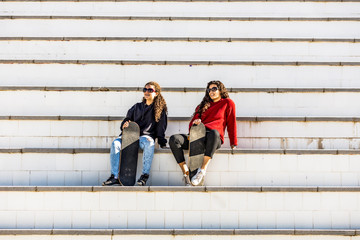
pixel 187 180
pixel 197 179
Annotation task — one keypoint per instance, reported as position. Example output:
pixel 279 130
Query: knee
pixel 214 133
pixel 151 142
pixel 174 139
pixel 147 142
pixel 116 145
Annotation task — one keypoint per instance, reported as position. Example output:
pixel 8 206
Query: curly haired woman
pixel 151 116
pixel 216 112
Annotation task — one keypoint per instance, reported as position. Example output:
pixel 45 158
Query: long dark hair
pixel 159 101
pixel 205 103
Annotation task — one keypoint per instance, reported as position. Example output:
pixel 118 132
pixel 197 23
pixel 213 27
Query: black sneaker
pixel 142 180
pixel 111 181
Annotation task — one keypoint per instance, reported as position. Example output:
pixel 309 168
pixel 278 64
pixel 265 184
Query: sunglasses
pixel 213 89
pixel 149 90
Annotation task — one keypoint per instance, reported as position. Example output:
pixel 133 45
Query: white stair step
pixel 181 9
pixel 179 104
pixel 253 135
pixel 57 167
pixel 171 234
pixel 180 51
pixel 311 143
pixel 181 208
pixel 102 128
pixel 207 29
pixel 94 75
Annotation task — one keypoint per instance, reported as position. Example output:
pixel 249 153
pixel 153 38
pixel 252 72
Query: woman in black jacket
pixel 151 116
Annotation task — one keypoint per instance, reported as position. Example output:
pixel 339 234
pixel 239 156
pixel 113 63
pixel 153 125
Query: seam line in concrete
pixel 186 39
pixel 149 62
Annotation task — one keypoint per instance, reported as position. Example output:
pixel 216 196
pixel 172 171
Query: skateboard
pixel 129 154
pixel 196 148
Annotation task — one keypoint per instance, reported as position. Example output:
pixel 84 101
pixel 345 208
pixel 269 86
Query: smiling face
pixel 214 92
pixel 149 93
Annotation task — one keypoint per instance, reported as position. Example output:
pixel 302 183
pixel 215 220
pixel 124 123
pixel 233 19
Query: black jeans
pixel 180 142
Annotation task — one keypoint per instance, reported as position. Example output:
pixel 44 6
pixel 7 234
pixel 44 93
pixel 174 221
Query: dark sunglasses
pixel 149 90
pixel 214 89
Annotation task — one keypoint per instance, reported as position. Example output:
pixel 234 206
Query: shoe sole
pixel 201 183
pixel 108 185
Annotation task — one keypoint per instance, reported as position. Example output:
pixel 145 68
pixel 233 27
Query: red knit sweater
pixel 218 116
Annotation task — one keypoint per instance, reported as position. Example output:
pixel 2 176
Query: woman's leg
pixel 147 144
pixel 212 143
pixel 178 143
pixel 114 163
pixel 115 157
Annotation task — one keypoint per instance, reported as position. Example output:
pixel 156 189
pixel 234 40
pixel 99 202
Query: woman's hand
pixel 126 124
pixel 197 121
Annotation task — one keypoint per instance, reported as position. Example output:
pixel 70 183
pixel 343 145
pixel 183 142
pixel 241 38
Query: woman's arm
pixel 231 123
pixel 161 128
pixel 129 116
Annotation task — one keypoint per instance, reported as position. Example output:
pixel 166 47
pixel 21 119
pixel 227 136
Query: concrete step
pixel 180 51
pixel 253 133
pixel 245 167
pixel 165 234
pixel 291 143
pixel 80 103
pixel 196 28
pixel 98 75
pixel 179 208
pixel 153 234
pixel 182 9
pixel 195 234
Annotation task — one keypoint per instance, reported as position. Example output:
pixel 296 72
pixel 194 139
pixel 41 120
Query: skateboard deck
pixel 129 154
pixel 196 148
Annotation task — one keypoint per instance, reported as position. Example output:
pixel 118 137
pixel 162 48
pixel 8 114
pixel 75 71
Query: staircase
pixel 70 70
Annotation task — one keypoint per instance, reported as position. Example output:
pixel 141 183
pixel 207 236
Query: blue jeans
pixel 147 144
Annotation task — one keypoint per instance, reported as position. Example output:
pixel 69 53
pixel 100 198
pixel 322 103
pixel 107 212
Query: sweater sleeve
pixel 129 116
pixel 161 128
pixel 231 123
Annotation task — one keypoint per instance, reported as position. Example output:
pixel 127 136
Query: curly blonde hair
pixel 159 101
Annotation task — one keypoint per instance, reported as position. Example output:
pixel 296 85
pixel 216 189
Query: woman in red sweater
pixel 216 111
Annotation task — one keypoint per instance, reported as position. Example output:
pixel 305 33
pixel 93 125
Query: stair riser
pixel 171 76
pixel 205 29
pixel 176 237
pixel 167 9
pixel 243 143
pixel 212 210
pixel 43 169
pixel 179 103
pixel 181 51
pixel 245 129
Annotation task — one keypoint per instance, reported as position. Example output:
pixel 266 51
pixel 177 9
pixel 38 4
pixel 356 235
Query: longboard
pixel 129 154
pixel 196 148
